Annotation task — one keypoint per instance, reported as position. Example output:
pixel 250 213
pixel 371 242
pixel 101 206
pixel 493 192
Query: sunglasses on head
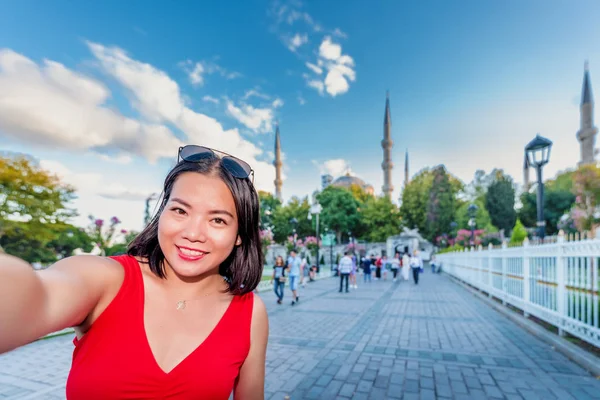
pixel 236 167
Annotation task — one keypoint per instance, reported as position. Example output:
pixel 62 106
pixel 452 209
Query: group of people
pixel 296 270
pixel 402 264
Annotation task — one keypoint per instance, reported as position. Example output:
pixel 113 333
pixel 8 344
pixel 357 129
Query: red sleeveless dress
pixel 113 360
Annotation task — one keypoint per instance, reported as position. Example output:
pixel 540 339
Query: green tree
pixel 482 217
pixel 586 186
pixel 440 205
pixel 120 247
pixel 500 201
pixel 381 218
pixel 70 238
pixel 268 206
pixel 519 233
pixel 33 206
pixel 557 202
pixel 414 200
pixel 282 228
pixel 340 211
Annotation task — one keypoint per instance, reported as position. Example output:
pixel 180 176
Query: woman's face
pixel 279 260
pixel 198 227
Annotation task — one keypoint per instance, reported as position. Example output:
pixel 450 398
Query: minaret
pixel 406 175
pixel 387 144
pixel 277 163
pixel 587 131
pixel 526 174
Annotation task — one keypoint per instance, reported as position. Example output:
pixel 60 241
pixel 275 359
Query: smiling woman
pixel 174 318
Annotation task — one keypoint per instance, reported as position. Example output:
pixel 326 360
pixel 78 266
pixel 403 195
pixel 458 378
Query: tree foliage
pixel 586 187
pixel 34 205
pixel 440 205
pixel 500 201
pixel 414 200
pixel 519 233
pixel 268 205
pixel 282 227
pixel 340 211
pixel 381 218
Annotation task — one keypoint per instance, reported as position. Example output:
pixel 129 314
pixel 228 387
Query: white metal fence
pixel 556 282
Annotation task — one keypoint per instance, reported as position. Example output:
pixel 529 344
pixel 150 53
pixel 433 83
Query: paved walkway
pixel 381 341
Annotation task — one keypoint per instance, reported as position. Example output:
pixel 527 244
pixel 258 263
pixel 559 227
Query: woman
pixel 405 266
pixel 395 265
pixel 279 278
pixel 175 318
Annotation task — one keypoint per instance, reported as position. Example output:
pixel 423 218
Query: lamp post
pixel 472 212
pixel 316 210
pixel 538 154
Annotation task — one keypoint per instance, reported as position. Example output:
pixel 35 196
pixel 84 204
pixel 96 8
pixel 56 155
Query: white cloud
pixel 277 103
pixel 317 70
pixel 296 41
pixel 316 84
pixel 301 100
pixel 257 119
pixel 210 99
pixel 95 183
pixel 329 50
pixel 158 96
pixel 197 70
pixel 253 92
pixel 119 159
pixel 51 105
pixel 196 74
pixel 338 32
pixel 336 167
pixel 339 69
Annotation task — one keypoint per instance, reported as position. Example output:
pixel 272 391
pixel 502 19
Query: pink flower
pixel 124 231
pixel 115 220
pixel 99 223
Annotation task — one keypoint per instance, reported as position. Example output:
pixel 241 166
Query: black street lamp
pixel 538 154
pixel 472 212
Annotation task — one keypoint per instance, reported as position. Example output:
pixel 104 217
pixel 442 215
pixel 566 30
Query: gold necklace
pixel 182 303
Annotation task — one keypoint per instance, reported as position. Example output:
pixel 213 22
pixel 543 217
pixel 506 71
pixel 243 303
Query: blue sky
pixel 104 93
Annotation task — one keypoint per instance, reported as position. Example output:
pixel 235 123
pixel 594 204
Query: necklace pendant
pixel 181 305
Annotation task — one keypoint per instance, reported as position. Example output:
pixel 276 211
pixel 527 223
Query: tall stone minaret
pixel 278 164
pixel 526 174
pixel 406 175
pixel 587 131
pixel 387 144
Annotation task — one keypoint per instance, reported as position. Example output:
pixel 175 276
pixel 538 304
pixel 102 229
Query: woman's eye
pixel 219 221
pixel 178 210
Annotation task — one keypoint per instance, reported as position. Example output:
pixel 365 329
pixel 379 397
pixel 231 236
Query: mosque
pixel 347 180
pixel 587 131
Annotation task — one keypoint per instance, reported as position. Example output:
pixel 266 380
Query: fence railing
pixel 555 282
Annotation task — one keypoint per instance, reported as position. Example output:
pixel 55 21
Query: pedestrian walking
pixel 175 317
pixel 366 265
pixel 279 278
pixel 405 266
pixel 353 273
pixel 305 270
pixel 416 263
pixel 293 266
pixel 395 265
pixel 385 265
pixel 345 268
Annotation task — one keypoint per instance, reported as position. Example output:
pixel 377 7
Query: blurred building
pixel 348 180
pixel 326 181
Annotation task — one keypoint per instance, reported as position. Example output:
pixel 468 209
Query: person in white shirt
pixel 395 265
pixel 405 266
pixel 345 268
pixel 416 264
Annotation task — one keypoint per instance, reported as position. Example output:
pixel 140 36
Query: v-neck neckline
pixel 145 333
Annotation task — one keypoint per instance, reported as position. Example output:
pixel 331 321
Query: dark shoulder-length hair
pixel 244 266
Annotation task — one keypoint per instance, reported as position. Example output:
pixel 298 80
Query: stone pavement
pixel 381 341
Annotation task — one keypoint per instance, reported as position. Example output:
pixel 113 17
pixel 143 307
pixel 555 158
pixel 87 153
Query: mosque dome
pixel 348 180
